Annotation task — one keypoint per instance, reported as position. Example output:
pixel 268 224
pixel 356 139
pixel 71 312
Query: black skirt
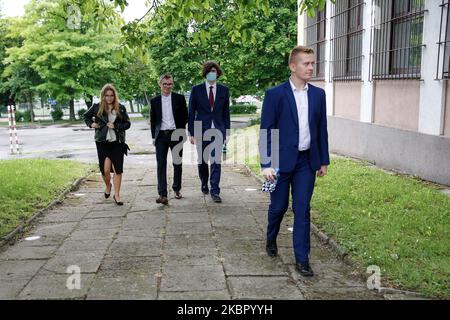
pixel 112 150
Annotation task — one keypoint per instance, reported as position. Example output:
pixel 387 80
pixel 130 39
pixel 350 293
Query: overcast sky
pixel 14 8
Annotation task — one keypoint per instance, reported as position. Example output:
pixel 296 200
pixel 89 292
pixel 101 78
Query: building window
pixel 444 43
pixel 397 43
pixel 346 39
pixel 315 38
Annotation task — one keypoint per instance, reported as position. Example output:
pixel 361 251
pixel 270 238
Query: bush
pixel 3 110
pixel 27 116
pixel 145 112
pixel 57 114
pixel 81 112
pixel 256 121
pixel 19 116
pixel 243 109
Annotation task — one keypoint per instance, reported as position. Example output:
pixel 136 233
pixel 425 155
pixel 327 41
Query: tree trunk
pixel 88 100
pixel 72 110
pixel 146 99
pixel 131 106
pixel 30 107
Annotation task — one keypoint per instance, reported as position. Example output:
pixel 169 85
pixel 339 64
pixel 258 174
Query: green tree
pixel 251 63
pixel 4 93
pixel 20 78
pixel 134 78
pixel 72 59
pixel 179 12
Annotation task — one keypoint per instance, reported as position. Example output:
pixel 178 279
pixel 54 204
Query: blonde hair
pixel 104 105
pixel 297 50
pixel 165 76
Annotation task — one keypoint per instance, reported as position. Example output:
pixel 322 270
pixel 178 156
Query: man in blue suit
pixel 209 108
pixel 297 110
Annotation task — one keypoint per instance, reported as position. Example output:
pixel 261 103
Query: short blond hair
pixel 165 76
pixel 297 50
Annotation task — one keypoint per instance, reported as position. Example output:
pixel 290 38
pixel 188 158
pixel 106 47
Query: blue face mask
pixel 212 76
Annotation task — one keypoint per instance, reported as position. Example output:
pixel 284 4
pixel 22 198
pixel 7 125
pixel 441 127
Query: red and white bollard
pixel 13 129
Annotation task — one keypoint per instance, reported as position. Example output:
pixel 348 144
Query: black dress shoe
pixel 108 194
pixel 271 248
pixel 205 189
pixel 304 269
pixel 119 203
pixel 216 198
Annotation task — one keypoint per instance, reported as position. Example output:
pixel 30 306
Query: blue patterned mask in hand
pixel 269 186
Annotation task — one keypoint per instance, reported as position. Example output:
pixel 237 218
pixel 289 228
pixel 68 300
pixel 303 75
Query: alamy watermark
pixel 73 282
pixel 374 280
pixel 209 144
pixel 74 17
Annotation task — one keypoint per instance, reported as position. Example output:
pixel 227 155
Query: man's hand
pixel 110 125
pixel 95 125
pixel 269 174
pixel 322 171
pixel 192 140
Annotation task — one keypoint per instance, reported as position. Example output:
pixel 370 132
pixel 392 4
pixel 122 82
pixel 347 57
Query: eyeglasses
pixel 167 84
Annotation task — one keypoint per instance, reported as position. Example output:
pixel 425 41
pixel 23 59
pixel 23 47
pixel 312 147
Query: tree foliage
pixel 67 49
pixel 251 63
pixel 62 57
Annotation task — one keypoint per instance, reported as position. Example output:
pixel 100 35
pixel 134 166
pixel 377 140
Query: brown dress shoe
pixel 162 200
pixel 178 195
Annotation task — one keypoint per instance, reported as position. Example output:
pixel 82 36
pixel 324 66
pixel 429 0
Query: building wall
pixel 447 111
pixel 347 100
pixel 424 155
pixel 320 84
pixel 397 103
pixel 402 125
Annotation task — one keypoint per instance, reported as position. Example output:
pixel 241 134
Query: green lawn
pixel 30 185
pixel 396 222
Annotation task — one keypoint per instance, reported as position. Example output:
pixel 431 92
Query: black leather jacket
pixel 121 123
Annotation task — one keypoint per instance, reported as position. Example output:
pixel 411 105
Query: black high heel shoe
pixel 108 194
pixel 119 203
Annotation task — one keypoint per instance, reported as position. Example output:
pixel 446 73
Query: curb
pixel 20 229
pixel 342 253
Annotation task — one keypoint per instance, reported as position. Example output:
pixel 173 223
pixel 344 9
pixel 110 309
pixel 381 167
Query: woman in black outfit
pixel 110 120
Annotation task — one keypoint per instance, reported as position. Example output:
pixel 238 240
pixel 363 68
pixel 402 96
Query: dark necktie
pixel 211 98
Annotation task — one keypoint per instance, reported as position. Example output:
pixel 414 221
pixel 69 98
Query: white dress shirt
pixel 208 85
pixel 301 100
pixel 168 121
pixel 111 134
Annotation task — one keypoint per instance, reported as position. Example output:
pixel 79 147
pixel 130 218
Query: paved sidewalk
pixel 191 249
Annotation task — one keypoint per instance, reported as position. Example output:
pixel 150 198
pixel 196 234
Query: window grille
pixel 346 40
pixel 444 43
pixel 397 41
pixel 315 38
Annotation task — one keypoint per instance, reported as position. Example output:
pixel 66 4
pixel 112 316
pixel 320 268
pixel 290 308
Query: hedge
pixel 243 108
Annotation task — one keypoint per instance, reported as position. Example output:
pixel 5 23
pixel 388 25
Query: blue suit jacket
pixel 199 109
pixel 279 111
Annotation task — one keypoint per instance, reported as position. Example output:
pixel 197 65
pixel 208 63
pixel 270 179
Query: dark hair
pixel 297 50
pixel 208 65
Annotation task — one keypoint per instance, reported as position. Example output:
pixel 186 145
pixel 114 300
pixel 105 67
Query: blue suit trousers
pixel 301 180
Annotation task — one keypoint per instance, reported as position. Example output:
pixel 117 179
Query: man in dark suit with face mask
pixel 209 108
